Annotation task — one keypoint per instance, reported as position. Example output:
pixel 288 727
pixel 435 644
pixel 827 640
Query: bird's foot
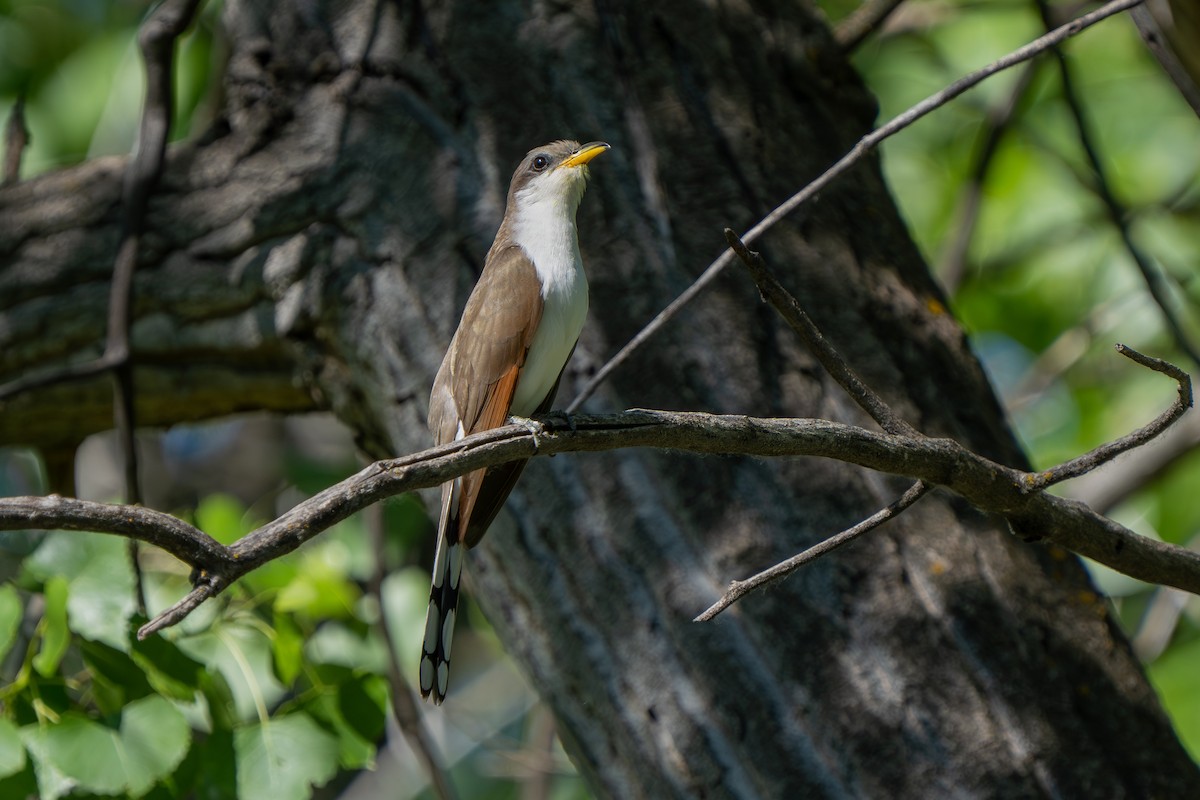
pixel 534 427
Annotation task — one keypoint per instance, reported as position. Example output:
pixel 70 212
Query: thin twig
pixel 1104 489
pixel 739 589
pixel 180 610
pixel 863 21
pixel 1107 452
pixel 856 154
pixel 1118 215
pixel 404 707
pixel 16 139
pixel 795 316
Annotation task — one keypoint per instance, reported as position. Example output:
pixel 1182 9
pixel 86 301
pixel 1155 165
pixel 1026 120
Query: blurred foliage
pixel 279 686
pixel 76 63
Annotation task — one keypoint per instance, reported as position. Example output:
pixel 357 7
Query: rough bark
pixel 315 249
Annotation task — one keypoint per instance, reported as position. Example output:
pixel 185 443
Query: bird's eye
pixel 540 163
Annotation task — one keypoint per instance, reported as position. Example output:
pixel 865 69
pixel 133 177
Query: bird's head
pixel 553 176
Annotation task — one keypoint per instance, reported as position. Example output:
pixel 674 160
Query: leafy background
pixel 279 688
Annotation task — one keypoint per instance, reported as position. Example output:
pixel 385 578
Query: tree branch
pixel 1107 452
pixel 989 486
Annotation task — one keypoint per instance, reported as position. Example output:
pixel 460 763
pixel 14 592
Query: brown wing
pixel 497 483
pixel 475 385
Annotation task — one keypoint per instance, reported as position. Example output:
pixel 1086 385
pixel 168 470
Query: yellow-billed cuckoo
pixel 517 331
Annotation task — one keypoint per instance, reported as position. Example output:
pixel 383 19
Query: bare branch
pixel 739 589
pixel 206 588
pixel 857 153
pixel 186 542
pixel 795 316
pixel 991 487
pixel 1105 488
pixel 1107 452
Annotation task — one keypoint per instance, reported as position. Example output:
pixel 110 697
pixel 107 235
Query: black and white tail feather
pixel 443 598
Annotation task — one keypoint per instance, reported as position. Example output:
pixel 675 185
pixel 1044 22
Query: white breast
pixel 545 230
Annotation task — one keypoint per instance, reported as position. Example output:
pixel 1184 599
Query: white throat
pixel 544 228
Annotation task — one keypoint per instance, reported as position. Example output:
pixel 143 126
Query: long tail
pixel 443 598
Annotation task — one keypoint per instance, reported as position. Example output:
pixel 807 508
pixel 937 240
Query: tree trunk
pixel 316 249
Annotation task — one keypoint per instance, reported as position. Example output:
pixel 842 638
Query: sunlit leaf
pixel 287 648
pixel 52 782
pixel 155 737
pixel 101 582
pixel 242 655
pixel 283 758
pixel 152 740
pixel 56 637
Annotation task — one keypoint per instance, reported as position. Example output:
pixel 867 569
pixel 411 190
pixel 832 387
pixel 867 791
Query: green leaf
pixel 156 737
pixel 288 649
pixel 55 635
pixel 10 617
pixel 117 672
pixel 152 740
pixel 354 752
pixel 86 752
pixel 208 771
pixel 12 751
pixel 363 701
pixel 168 669
pixel 241 654
pixel 52 783
pixel 353 704
pixel 21 784
pixel 101 580
pixel 284 758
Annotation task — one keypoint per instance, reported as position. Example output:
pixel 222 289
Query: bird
pixel 517 332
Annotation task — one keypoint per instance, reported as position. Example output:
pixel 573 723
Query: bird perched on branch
pixel 516 334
